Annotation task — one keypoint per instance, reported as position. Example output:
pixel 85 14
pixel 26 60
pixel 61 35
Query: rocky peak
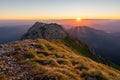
pixel 47 31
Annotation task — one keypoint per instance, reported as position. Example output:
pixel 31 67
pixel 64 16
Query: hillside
pixel 53 31
pixel 105 44
pixel 47 52
pixel 43 60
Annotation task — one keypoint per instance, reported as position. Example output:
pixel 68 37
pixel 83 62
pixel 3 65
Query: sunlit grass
pixel 65 60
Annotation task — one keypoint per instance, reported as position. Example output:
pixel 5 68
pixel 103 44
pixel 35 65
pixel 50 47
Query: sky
pixel 59 9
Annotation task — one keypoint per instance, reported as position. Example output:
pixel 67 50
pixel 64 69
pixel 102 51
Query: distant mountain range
pixel 105 44
pixel 12 33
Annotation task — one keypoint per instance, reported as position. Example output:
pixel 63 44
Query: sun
pixel 78 19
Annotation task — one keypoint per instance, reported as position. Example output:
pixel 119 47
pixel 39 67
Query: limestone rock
pixel 45 31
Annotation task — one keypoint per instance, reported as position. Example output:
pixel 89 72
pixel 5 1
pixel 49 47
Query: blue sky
pixel 59 9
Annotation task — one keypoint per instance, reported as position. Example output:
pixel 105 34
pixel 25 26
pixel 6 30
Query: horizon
pixel 57 10
pixel 106 25
pixel 51 19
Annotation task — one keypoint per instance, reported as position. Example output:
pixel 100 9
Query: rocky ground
pixel 11 67
pixel 45 31
pixel 49 60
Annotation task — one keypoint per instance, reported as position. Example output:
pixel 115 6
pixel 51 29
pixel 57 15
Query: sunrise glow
pixel 78 19
pixel 42 9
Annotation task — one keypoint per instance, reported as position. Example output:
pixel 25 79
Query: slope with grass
pixel 56 60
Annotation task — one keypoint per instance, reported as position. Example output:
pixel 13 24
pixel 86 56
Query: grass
pixel 65 60
pixel 29 55
pixel 94 74
pixel 83 50
pixel 60 60
pixel 3 77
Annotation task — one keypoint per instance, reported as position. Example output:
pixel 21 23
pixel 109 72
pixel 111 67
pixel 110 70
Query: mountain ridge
pixel 55 58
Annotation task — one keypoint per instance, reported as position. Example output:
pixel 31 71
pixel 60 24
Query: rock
pixel 45 31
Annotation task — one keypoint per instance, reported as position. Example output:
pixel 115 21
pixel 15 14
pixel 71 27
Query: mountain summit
pixel 45 31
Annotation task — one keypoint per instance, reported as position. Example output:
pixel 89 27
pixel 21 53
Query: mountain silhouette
pixel 104 44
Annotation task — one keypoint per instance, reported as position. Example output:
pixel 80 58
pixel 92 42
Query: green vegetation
pixel 78 47
pixel 83 50
pixel 29 55
pixel 95 74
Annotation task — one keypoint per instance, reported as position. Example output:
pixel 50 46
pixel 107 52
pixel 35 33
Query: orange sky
pixel 59 9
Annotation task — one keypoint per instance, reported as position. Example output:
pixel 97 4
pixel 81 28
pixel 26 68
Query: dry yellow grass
pixel 58 60
pixel 54 58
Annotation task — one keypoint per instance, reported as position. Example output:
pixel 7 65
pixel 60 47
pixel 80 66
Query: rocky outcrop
pixel 45 31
